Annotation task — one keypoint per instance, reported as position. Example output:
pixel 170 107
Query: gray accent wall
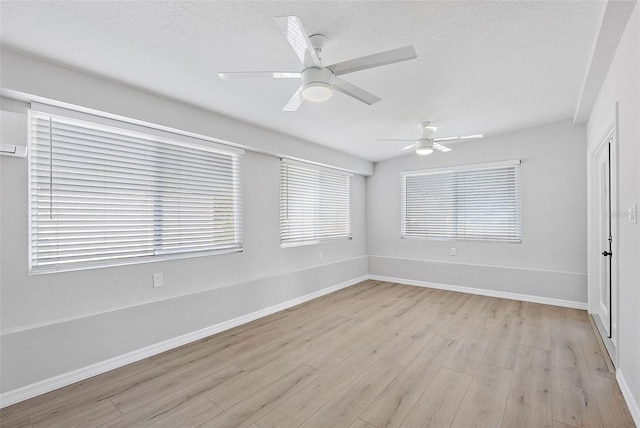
pixel 551 260
pixel 35 354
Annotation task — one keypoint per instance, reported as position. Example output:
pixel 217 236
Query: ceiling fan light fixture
pixel 317 91
pixel 317 84
pixel 424 147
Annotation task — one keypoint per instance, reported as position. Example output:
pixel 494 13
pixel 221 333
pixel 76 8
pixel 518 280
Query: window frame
pixel 457 236
pixel 161 136
pixel 318 171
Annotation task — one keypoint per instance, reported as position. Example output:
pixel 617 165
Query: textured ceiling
pixel 482 67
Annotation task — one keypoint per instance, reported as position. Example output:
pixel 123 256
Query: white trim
pixel 480 265
pixel 610 134
pixel 29 391
pixel 593 252
pixel 484 292
pixel 634 409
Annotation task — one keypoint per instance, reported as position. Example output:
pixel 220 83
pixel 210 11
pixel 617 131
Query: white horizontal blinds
pixel 100 195
pixel 472 203
pixel 314 203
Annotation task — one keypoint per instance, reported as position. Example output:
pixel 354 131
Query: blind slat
pixel 102 195
pixel 314 204
pixel 472 203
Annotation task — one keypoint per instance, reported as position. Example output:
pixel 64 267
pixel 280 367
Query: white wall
pixel 55 324
pixel 551 260
pixel 622 86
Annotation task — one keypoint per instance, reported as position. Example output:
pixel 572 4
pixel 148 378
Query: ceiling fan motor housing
pixel 317 84
pixel 318 41
pixel 428 132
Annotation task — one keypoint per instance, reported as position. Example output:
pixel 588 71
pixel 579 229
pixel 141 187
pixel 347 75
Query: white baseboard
pixel 628 397
pixel 484 292
pixel 47 385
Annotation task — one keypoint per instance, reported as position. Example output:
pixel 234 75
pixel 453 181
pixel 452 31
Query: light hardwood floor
pixel 372 355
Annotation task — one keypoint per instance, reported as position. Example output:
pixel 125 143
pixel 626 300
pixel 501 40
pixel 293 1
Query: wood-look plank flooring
pixel 375 354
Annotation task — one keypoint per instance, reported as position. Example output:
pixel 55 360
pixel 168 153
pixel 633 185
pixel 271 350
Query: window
pixel 104 195
pixel 314 203
pixel 477 202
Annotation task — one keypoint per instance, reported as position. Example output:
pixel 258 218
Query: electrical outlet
pixel 158 280
pixel 453 251
pixel 319 255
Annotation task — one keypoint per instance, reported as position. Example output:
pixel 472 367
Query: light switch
pixel 632 214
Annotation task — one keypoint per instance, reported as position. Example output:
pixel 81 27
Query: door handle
pixel 607 253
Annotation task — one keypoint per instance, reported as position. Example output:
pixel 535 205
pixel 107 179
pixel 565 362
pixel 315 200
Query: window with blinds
pixel 314 204
pixel 479 202
pixel 105 195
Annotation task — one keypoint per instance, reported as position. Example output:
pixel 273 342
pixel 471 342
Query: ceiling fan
pixel 426 143
pixel 319 81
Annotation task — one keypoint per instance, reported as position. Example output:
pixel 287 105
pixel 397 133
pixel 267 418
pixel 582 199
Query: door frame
pixel 594 252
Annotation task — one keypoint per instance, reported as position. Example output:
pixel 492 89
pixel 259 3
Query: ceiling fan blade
pixel 293 31
pixel 295 101
pixel 459 138
pixel 410 146
pixel 441 147
pixel 395 139
pixel 354 91
pixel 260 74
pixel 375 60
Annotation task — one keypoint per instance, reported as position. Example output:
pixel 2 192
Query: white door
pixel 604 237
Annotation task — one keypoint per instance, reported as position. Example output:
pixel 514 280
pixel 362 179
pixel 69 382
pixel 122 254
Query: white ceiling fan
pixel 426 143
pixel 319 81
